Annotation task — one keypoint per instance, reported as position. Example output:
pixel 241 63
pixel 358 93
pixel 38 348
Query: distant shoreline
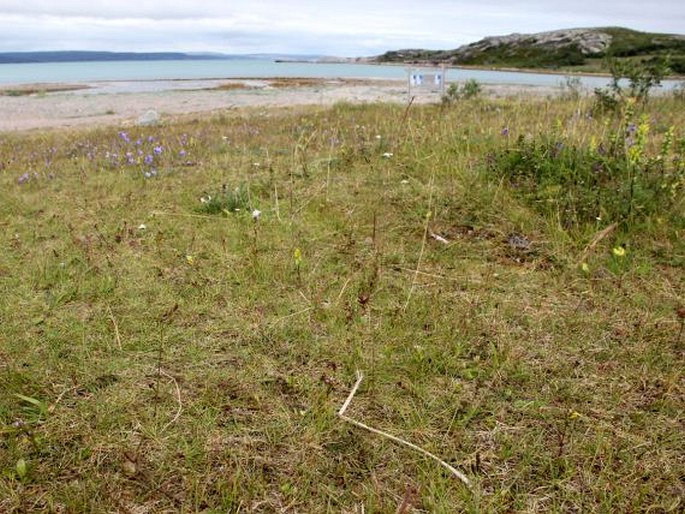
pixel 184 72
pixel 67 107
pixel 508 69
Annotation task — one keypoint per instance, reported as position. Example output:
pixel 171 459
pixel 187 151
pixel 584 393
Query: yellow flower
pixel 298 257
pixel 619 251
pixel 585 267
pixel 574 414
pixel 634 154
pixel 190 259
pixel 593 144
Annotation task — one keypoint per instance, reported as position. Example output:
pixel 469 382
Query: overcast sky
pixel 331 27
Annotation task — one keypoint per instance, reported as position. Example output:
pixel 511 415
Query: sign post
pixel 426 81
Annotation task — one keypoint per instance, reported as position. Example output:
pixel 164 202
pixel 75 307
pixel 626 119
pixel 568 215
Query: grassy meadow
pixel 184 309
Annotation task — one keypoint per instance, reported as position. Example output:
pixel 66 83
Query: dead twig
pixel 406 111
pixel 341 415
pixel 595 241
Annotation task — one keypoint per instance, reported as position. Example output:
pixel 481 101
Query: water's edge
pixel 167 75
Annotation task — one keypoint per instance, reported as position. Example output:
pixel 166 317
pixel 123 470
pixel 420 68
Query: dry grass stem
pixel 117 336
pixel 178 400
pixel 294 314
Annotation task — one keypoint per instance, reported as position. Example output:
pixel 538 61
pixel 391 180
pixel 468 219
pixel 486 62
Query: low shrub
pixel 615 180
pixel 470 89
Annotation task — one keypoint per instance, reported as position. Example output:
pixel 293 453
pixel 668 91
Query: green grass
pixel 626 43
pixel 160 356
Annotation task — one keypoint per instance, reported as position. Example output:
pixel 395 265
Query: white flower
pixel 387 155
pixel 404 182
pixel 256 214
pixel 142 226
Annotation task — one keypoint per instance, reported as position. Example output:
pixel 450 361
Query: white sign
pixel 426 81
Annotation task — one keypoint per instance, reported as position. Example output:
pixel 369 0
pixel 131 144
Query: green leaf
pixel 41 406
pixel 21 468
pixel 28 399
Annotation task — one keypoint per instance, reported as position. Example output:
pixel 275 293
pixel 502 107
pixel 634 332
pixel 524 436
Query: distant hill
pixel 581 49
pixel 83 56
pixel 86 56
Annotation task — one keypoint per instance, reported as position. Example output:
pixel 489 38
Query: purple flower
pixel 182 153
pixel 157 150
pixel 23 179
pixel 505 131
pixel 124 136
pixel 148 159
pixel 150 139
pixel 632 128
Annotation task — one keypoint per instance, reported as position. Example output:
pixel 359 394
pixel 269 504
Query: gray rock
pixel 519 242
pixel 151 117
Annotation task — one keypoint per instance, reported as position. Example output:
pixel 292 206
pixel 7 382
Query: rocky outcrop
pixel 569 46
pixel 588 41
pixel 555 49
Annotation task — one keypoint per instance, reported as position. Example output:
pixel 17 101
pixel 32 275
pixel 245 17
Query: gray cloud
pixel 352 27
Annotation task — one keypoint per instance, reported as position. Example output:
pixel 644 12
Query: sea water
pixel 164 72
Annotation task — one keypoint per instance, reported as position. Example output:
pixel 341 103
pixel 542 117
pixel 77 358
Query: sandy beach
pixel 123 103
